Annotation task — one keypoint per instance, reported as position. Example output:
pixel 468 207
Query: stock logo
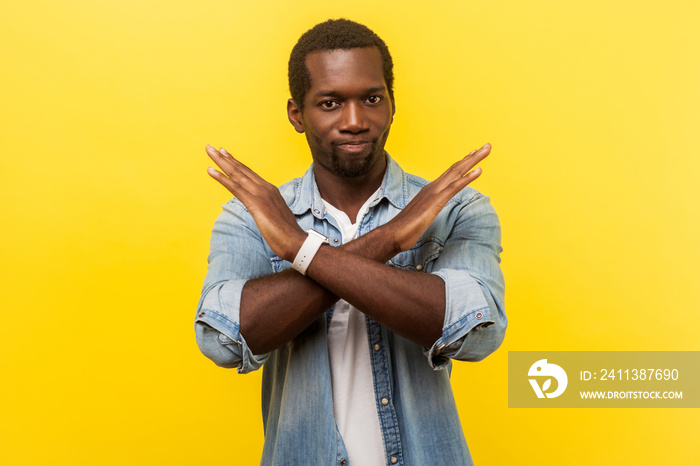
pixel 542 369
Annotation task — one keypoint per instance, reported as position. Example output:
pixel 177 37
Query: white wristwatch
pixel 308 250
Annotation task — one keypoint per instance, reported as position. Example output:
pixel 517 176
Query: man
pixel 355 320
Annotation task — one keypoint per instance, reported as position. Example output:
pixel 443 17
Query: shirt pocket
pixel 420 257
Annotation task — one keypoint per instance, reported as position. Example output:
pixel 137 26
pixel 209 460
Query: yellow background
pixel 593 112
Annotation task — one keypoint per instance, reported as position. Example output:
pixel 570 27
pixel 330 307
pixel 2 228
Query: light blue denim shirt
pixel 414 398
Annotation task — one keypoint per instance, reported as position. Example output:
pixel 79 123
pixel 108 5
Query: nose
pixel 353 119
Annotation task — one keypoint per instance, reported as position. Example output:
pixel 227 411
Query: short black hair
pixel 334 34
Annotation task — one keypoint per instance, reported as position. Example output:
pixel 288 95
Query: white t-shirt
pixel 354 405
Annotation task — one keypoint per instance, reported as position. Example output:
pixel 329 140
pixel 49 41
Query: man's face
pixel 347 112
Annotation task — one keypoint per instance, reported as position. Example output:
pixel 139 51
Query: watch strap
pixel 308 250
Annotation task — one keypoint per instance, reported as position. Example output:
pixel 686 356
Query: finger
pixel 222 179
pixel 219 159
pixel 474 157
pixel 462 167
pixel 239 188
pixel 472 175
pixel 243 168
pixel 236 171
pixel 462 182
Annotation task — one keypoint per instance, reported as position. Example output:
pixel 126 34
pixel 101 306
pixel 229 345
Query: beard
pixel 331 161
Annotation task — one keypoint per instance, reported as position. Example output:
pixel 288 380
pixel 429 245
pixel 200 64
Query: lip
pixel 353 146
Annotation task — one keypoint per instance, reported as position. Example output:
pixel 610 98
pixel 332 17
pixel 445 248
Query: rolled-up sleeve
pixel 469 264
pixel 237 254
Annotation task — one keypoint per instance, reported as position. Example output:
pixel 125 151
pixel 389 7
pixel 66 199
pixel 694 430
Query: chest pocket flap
pixel 420 257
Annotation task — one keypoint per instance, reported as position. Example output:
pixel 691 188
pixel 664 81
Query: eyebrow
pixel 331 93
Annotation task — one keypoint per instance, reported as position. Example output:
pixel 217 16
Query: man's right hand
pixel 263 200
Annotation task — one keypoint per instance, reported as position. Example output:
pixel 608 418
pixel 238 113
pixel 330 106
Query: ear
pixel 295 116
pixel 393 108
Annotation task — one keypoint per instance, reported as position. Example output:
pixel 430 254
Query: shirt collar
pixel 393 188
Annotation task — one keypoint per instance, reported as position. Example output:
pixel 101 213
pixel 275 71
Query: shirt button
pixel 419 267
pixel 201 314
pixel 342 462
pixel 394 460
pixel 479 316
pixel 316 211
pixel 385 402
pixel 336 240
pixel 377 347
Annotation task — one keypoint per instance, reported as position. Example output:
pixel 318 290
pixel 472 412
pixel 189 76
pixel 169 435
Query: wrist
pixel 390 235
pixel 295 244
pixel 379 244
pixel 308 250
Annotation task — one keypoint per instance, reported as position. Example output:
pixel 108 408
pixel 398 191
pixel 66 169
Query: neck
pixel 349 194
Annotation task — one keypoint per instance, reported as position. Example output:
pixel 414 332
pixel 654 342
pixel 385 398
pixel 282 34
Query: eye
pixel 328 104
pixel 374 99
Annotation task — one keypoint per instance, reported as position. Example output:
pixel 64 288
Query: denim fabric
pixel 416 406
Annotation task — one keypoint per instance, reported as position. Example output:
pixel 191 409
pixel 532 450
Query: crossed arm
pixel 411 304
